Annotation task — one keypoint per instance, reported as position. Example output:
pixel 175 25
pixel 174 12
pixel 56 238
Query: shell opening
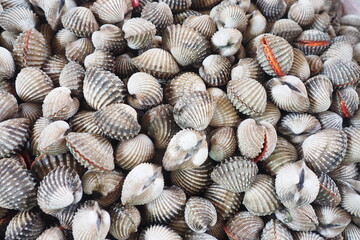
pixel 271 57
pixel 263 149
pixel 313 43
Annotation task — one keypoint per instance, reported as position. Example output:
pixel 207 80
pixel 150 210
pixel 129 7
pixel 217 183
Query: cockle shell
pixel 350 20
pixel 350 196
pixel 351 232
pixel 123 66
pixel 124 220
pixel 109 38
pixel 244 226
pixel 204 24
pixel 354 120
pixel 178 6
pixel 307 236
pixel 81 21
pixel 53 66
pixel 139 191
pixel 138 32
pixel 112 11
pixel 100 59
pixel 343 50
pixel 215 70
pixel 329 194
pixel 256 26
pixel 31 111
pixel 59 189
pixel 7 40
pixel 344 173
pixel 345 102
pixel 165 207
pixel 199 236
pixel 159 14
pixel 330 119
pixel 98 157
pixel 315 64
pixel 298 219
pixel 52 138
pixel 17 186
pixel 226 41
pixel 66 216
pixel 312 42
pixel 8 105
pixel 180 17
pixel 15 3
pixel 321 21
pixel 84 122
pixel 247 95
pixel 222 143
pixel 200 214
pixel 102 88
pixel 300 67
pixel 271 115
pixel 351 32
pixel 324 153
pixel 18 20
pixel 235 174
pixel 272 9
pixel 287 29
pixel 7 64
pixel 332 220
pixel 36 130
pixel 159 232
pixel 302 12
pixel 107 119
pixel 194 110
pixel 61 39
pixel 58 104
pixel 353 145
pixel 247 68
pixel 90 222
pixel 274 229
pixel 296 185
pixel 52 233
pixel 319 90
pixel 78 50
pixel 72 76
pixel 228 15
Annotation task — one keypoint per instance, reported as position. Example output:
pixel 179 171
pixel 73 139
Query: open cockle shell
pixel 200 214
pixel 244 226
pixel 222 143
pixel 312 42
pixel 329 194
pixel 345 102
pixel 125 220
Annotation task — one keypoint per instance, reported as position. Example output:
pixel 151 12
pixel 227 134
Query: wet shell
pixel 215 70
pixel 159 232
pixel 319 90
pixel 312 42
pixel 159 125
pixel 14 134
pixel 225 202
pixel 194 110
pixel 111 11
pixel 203 24
pixel 307 236
pixel 25 225
pixel 274 229
pixel 7 64
pixel 200 214
pixel 139 191
pixel 247 68
pixel 341 50
pixel 222 143
pixel 228 15
pixel 345 102
pixel 109 38
pixel 351 232
pixel 247 95
pixel 138 32
pixel 332 220
pixel 226 41
pixel 52 233
pixel 157 62
pixel 104 186
pixel 159 14
pixel 80 21
pixel 296 185
pixel 315 64
pixel 330 119
pixel 145 91
pixel 78 50
pixel 187 149
pixel 192 181
pixel 353 145
pixel 244 226
pixel 272 9
pixel 166 207
pixel 225 115
pixel 124 220
pixel 287 29
pixel 18 189
pixel 185 44
pixel 8 105
pixel 300 67
pixel 84 122
pixel 132 152
pixel 288 93
pixel 72 76
pixel 107 119
pixel 52 138
pixel 31 111
pixel 100 59
pixel 61 39
pixel 178 6
pixel 90 222
pixel 302 12
pixel 32 85
pixel 298 219
pixel 123 66
pixel 59 189
pixel 102 88
pixel 98 157
pixel 30 49
pixel 18 20
pixel 235 174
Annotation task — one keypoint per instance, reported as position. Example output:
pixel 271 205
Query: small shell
pixel 330 120
pixel 312 42
pixel 247 68
pixel 274 229
pixel 123 66
pixel 228 15
pixel 329 194
pixel 351 232
pixel 52 138
pixel 166 207
pixel 288 93
pixel 112 11
pixel 353 145
pixel 36 130
pixel 298 219
pixel 247 95
pixel 138 32
pixel 61 39
pixel 53 66
pixel 124 220
pixel 90 222
pixel 159 232
pixel 59 189
pixel 18 20
pixel 287 29
pixel 272 9
pixel 215 70
pixel 159 14
pixel 98 157
pixel 8 105
pixel 271 115
pixel 302 12
pixel 296 185
pixel 300 67
pixel 100 59
pixel 139 191
pixel 80 21
pixel 321 21
pixel 244 226
pixel 109 38
pixel 102 88
pixel 52 233
pixel 200 214
pixel 315 64
pixel 235 174
pixel 72 76
pixel 222 143
pixel 307 236
pixel 84 122
pixel 203 24
pixel 17 186
pixel 341 50
pixel 332 220
pixel 179 18
pixel 194 110
pixel 78 50
pixel 31 111
pixel 319 90
pixel 345 102
pixel 226 41
pixel 30 49
pixel 7 64
pixel 107 119
pixel 157 62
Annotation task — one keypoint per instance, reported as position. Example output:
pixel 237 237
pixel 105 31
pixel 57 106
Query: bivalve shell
pixel 125 220
pixel 31 111
pixel 313 42
pixel 272 9
pixel 300 67
pixel 274 229
pixel 351 232
pixel 330 119
pixel 271 115
pixel 159 14
pixel 215 70
pixel 7 64
pixel 287 29
pixel 180 17
pixel 81 21
pixel 222 143
pixel 345 102
pixel 78 50
pixel 307 236
pixel 342 73
pixel 353 145
pixel 109 38
pixel 200 214
pixel 159 232
pixel 53 66
pixel 244 226
pixel 332 220
pixel 123 66
pixel 315 64
pixel 8 105
pixel 350 196
pixel 138 32
pixel 319 90
pixel 302 12
pixel 226 41
pixel 203 23
pixel 112 11
pixel 52 138
pixel 247 68
pixel 18 19
pixel 229 15
pixel 84 122
pixel 299 219
pixel 72 76
pixel 343 50
pixel 100 59
pixel 61 39
pixel 52 233
pixel 329 194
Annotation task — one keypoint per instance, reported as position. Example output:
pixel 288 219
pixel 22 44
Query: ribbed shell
pixel 53 66
pixel 287 29
pixel 66 216
pixel 157 62
pixel 228 15
pixel 30 49
pixel 332 220
pixel 59 189
pixel 185 44
pixel 61 39
pixel 78 50
pixel 203 24
pixel 355 119
pixel 159 232
pixel 166 207
pixel 351 232
pixel 138 32
pixel 17 186
pixel 80 21
pixel 343 50
pixel 100 59
pixel 159 14
pixel 222 143
pixel 350 197
pixel 179 18
pixel 7 40
pixel 247 68
pixel 8 105
pixel 307 236
pixel 315 64
pixel 200 214
pixel 109 38
pixel 18 19
pixel 178 5
pixel 321 21
pixel 7 64
pixel 52 138
pixel 353 145
pixel 345 102
pixel 300 67
pixel 330 119
pixel 298 219
pixel 107 119
pixel 256 26
pixel 36 130
pixel 112 11
pixel 319 90
pixel 302 12
pixel 31 111
pixel 271 115
pixel 313 42
pixel 342 73
pixel 194 110
pixel 215 70
pixel 235 174
pixel 344 172
pixel 274 229
pixel 244 226
pixel 84 122
pixel 123 66
pixel 72 76
pixel 52 233
pixel 124 220
pixel 91 151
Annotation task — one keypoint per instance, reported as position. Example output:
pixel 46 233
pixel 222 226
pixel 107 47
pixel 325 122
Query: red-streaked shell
pixel 345 102
pixel 313 42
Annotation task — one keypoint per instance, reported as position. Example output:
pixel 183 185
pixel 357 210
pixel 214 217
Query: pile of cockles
pixel 179 119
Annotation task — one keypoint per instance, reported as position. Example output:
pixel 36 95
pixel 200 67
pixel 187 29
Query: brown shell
pixel 100 59
pixel 78 50
pixel 7 40
pixel 300 67
pixel 271 115
pixel 179 18
pixel 123 66
pixel 313 42
pixel 109 38
pixel 329 194
pixel 18 20
pixel 81 21
pixel 84 122
pixel 315 64
pixel 215 70
pixel 72 76
pixel 274 229
pixel 139 32
pixel 53 66
pixel 31 111
pixel 244 226
pixel 8 105
pixel 287 29
pixel 52 138
pixel 61 39
pixel 178 6
pixel 203 23
pixel 298 219
pixel 222 143
pixel 111 11
pixel 159 14
pixel 7 64
pixel 200 214
pixel 124 220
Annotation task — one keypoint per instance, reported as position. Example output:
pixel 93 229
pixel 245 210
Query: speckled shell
pixel 345 102
pixel 8 105
pixel 298 219
pixel 159 232
pixel 100 59
pixel 72 76
pixel 14 133
pixel 78 50
pixel 203 23
pixel 84 122
pixel 329 194
pixel 300 67
pixel 18 20
pixel 159 14
pixel 228 15
pixel 330 119
pixel 200 214
pixel 222 143
pixel 247 68
pixel 235 174
pixel 17 186
pixel 111 11
pixel 319 90
pixel 185 44
pixel 81 21
pixel 194 110
pixel 52 138
pixel 166 207
pixel 59 189
pixel 215 70
pixel 247 95
pixel 139 191
pixel 138 32
pixel 353 145
pixel 287 29
pixel 192 181
pixel 332 220
pixel 244 226
pixel 90 222
pixel 25 225
pixel 157 62
pixel 312 42
pixel 107 119
pixel 7 64
pixel 98 157
pixel 124 220
pixel 272 9
pixel 274 229
pixel 226 41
